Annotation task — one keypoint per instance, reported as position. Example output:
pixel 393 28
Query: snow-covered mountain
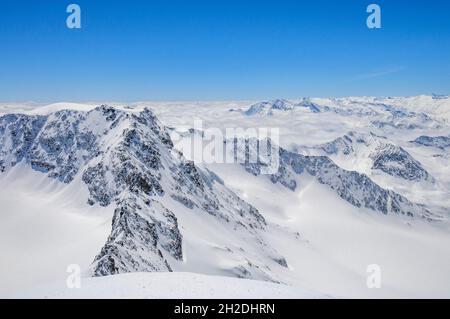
pixel 366 152
pixel 403 113
pixel 268 107
pixel 441 142
pixel 357 189
pixel 359 182
pixel 127 160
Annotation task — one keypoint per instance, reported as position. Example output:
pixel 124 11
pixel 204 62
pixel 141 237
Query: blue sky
pixel 219 50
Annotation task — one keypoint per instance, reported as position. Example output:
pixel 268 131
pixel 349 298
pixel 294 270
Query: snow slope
pixel 336 241
pixel 44 228
pixel 177 285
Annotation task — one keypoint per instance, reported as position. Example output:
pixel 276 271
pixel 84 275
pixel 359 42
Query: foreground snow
pixel 170 286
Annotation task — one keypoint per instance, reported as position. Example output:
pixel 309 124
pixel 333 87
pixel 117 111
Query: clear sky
pixel 220 50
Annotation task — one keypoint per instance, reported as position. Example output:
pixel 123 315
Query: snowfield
pixel 169 286
pixel 44 228
pixel 362 181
